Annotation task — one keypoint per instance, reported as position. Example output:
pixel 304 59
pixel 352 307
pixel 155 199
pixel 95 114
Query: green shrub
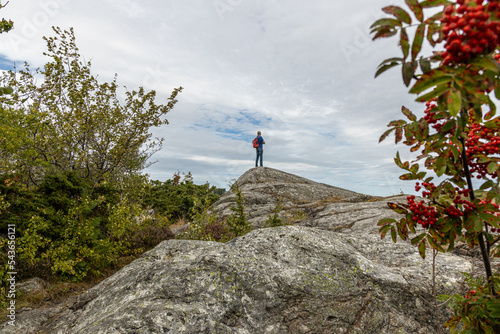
pixel 205 226
pixel 61 226
pixel 133 231
pixel 238 222
pixel 174 198
pixel 73 245
pixel 274 219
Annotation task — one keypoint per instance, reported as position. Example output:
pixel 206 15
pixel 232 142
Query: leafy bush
pixel 205 226
pixel 478 310
pixel 133 231
pixel 174 198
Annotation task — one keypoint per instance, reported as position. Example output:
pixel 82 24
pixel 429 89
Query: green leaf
pixel 454 102
pixel 492 167
pixel 421 249
pixel 478 224
pixel 394 234
pixel 425 65
pixel 386 221
pixel 408 114
pixel 399 13
pixel 432 30
pixel 416 9
pixel 397 161
pixel 408 72
pixel 497 92
pixel 455 152
pixel 486 185
pixel 417 239
pixel 384 68
pixel 385 23
pixel 417 41
pixel 383 230
pixel 6 90
pixel 434 3
pixel 433 94
pixel 404 42
pixel 487 62
pixel 425 82
pixel 451 124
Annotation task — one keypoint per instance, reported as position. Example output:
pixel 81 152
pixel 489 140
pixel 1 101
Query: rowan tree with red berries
pixel 457 139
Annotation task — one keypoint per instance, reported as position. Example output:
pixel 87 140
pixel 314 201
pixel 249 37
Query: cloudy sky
pixel 302 72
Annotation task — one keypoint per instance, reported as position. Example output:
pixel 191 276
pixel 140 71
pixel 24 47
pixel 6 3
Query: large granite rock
pixel 263 187
pixel 329 273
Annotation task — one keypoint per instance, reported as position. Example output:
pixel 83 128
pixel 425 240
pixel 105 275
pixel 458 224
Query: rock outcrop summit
pixel 327 272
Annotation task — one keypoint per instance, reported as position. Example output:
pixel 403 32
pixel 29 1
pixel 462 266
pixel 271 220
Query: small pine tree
pixel 238 222
pixel 274 219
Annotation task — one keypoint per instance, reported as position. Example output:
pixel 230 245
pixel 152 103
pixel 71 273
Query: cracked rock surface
pixel 330 272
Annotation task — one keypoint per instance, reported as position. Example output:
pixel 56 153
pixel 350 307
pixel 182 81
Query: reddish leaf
pixel 386 32
pixel 397 161
pixel 397 123
pixel 416 9
pixel 407 112
pixel 407 176
pixel 396 208
pixel 399 135
pixel 385 135
pixel 415 148
pixel 404 42
pixel 399 13
pixel 417 41
pixel 383 230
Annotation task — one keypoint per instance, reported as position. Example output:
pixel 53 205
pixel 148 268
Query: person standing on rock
pixel 259 149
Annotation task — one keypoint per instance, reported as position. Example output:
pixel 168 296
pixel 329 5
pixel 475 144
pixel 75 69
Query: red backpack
pixel 255 142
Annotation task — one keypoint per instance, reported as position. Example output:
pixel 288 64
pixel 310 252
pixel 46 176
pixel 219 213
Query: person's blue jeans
pixel 260 153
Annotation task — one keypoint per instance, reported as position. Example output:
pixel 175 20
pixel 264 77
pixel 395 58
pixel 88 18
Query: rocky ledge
pixel 330 272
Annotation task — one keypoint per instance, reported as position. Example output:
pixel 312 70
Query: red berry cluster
pixel 470 293
pixel 429 186
pixel 423 214
pixel 460 201
pixel 430 112
pixel 436 122
pixel 470 29
pixel 482 141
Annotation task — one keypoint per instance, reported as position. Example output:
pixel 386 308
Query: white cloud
pixel 301 72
